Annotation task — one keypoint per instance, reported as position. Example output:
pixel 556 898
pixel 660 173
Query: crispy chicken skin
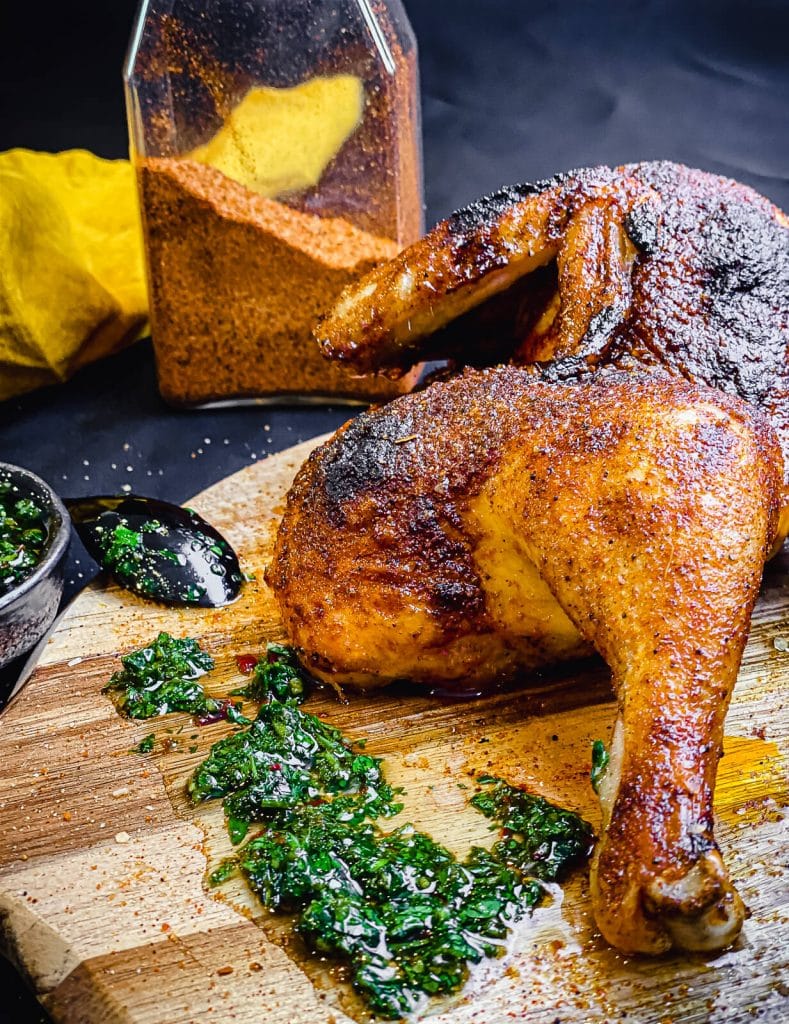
pixel 644 265
pixel 491 523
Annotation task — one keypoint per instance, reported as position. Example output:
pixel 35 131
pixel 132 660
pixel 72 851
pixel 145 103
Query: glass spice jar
pixel 278 153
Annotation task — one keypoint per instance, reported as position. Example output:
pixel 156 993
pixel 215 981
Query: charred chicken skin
pixel 492 523
pixel 645 265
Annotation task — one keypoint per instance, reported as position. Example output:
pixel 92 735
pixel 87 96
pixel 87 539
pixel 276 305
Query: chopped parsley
pixel 406 917
pixel 162 678
pixel 305 807
pixel 23 536
pixel 145 746
pixel 600 759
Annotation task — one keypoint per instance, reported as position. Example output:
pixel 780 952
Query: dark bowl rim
pixel 61 521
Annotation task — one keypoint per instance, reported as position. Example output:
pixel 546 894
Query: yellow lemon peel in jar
pixel 278 141
pixel 72 281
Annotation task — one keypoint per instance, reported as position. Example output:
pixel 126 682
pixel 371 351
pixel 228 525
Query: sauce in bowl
pixel 23 535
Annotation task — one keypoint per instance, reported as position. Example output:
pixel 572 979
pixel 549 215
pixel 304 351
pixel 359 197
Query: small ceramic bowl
pixel 27 611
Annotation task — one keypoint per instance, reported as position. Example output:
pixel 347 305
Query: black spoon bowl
pixel 158 550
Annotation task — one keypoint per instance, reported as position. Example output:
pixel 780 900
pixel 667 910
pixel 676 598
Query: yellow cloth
pixel 72 282
pixel 277 141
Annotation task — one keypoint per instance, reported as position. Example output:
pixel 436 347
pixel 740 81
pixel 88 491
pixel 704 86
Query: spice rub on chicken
pixel 492 523
pixel 644 265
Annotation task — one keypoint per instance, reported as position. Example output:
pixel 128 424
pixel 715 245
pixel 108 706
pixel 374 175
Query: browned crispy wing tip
pixel 650 265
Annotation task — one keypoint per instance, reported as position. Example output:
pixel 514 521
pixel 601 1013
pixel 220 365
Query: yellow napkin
pixel 72 283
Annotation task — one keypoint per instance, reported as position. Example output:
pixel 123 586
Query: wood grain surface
pixel 103 903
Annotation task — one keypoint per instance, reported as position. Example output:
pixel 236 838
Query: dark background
pixel 512 91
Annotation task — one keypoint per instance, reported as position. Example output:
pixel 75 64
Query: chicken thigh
pixel 491 524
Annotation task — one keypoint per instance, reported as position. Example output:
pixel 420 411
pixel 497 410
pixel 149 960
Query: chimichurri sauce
pixel 162 677
pixel 600 759
pixel 405 916
pixel 161 561
pixel 23 536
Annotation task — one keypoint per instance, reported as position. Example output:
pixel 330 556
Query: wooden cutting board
pixel 102 862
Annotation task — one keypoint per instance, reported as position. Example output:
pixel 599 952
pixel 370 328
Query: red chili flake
pixel 246 663
pixel 275 767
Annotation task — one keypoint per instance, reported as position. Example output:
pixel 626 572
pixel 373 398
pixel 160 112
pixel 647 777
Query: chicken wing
pixel 491 523
pixel 645 265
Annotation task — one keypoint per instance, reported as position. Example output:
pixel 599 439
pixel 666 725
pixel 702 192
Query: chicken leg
pixel 490 524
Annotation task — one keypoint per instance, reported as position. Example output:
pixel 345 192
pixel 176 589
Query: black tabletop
pixel 512 91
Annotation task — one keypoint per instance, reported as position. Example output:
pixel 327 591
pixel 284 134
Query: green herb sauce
pixel 278 675
pixel 126 547
pixel 406 917
pixel 600 759
pixel 145 746
pixel 124 552
pixel 23 536
pixel 162 678
pixel 285 759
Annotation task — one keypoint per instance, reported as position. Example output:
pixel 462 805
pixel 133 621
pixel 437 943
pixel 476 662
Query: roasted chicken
pixel 646 265
pixel 594 499
pixel 492 523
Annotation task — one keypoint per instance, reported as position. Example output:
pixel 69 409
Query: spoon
pixel 158 550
